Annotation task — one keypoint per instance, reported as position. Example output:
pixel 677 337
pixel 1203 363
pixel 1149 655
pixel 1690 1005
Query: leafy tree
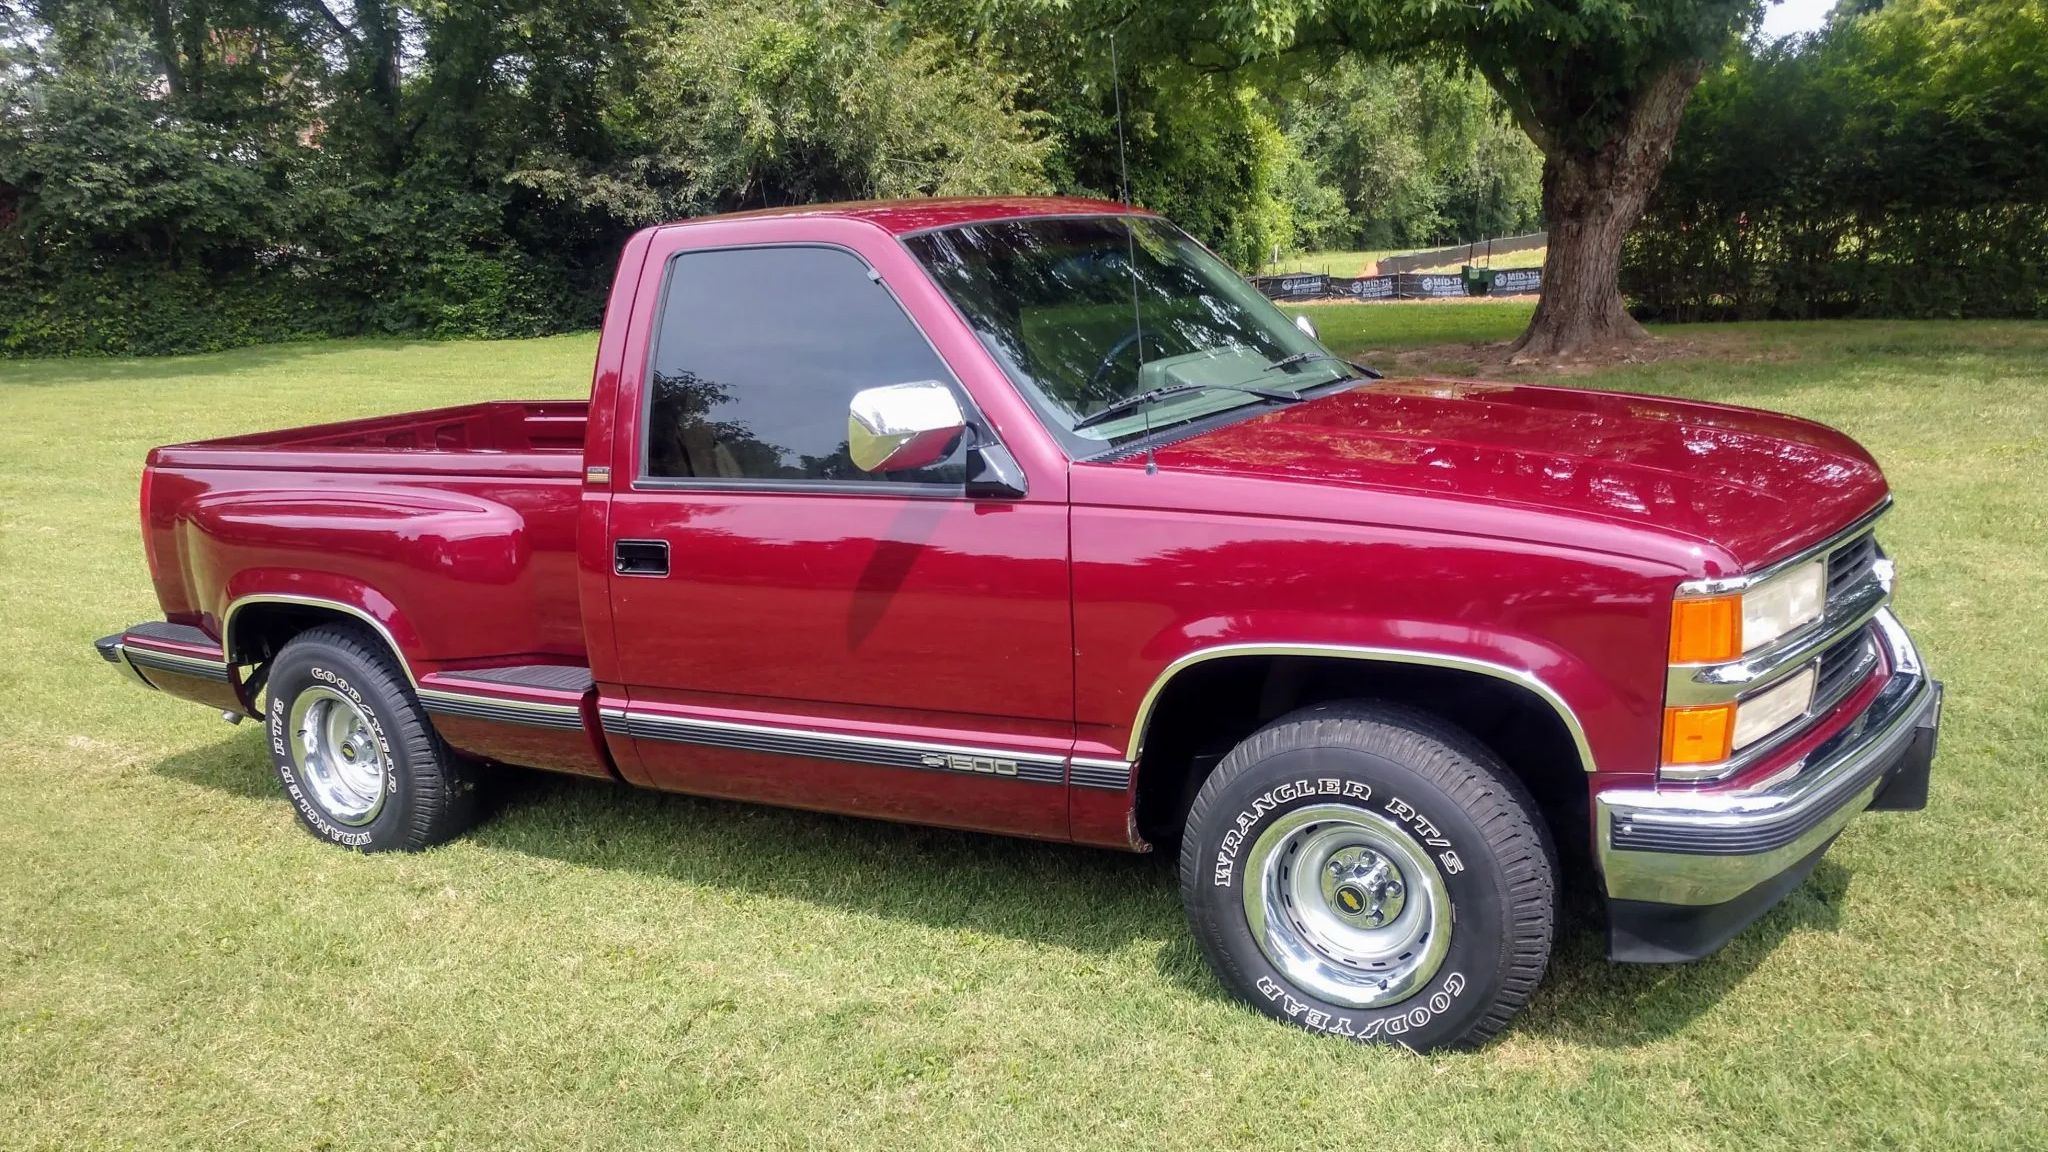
pixel 1894 164
pixel 1598 85
pixel 1419 154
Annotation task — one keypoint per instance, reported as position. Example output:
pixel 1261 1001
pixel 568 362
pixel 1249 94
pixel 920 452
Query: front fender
pixel 1562 682
pixel 1157 593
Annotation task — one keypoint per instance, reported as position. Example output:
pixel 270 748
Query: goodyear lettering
pixel 1337 1024
pixel 287 770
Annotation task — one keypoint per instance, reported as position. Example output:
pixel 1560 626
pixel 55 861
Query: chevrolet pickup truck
pixel 1031 517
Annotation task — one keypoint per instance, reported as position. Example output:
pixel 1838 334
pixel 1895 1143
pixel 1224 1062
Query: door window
pixel 759 353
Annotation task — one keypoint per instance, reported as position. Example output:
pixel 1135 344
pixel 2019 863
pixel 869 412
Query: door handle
pixel 640 557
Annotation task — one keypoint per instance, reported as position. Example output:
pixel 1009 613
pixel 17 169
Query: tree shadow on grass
pixel 1082 899
pixel 1585 999
pixel 238 766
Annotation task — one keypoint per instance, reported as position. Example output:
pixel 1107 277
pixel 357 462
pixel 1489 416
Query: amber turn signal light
pixel 1706 629
pixel 1699 735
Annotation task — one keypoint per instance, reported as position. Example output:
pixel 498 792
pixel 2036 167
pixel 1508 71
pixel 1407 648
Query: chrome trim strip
pixel 1675 846
pixel 1723 584
pixel 478 706
pixel 809 743
pixel 128 667
pixel 176 662
pixel 1527 680
pixel 227 622
pixel 1090 772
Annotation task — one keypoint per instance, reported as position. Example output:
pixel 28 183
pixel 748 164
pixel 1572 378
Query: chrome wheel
pixel 337 758
pixel 1347 905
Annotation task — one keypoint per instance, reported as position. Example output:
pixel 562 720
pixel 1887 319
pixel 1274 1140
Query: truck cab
pixel 1030 517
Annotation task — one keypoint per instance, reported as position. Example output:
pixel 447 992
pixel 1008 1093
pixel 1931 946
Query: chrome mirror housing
pixel 898 427
pixel 1307 326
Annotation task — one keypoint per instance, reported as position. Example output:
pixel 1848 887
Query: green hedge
pixel 138 308
pixel 1895 165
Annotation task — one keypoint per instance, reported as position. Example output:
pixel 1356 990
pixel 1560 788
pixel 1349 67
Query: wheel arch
pixel 1205 701
pixel 254 626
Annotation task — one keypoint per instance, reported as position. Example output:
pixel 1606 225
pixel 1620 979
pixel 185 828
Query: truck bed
pixel 401 516
pixel 495 438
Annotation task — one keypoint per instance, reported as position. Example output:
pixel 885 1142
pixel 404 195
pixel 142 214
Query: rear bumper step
pixel 174 658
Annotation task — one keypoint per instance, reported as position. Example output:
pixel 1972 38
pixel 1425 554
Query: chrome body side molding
pixel 875 751
pixel 1110 775
pixel 809 743
pixel 227 622
pixel 443 701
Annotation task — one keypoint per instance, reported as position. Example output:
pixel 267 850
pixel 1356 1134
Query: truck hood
pixel 1755 484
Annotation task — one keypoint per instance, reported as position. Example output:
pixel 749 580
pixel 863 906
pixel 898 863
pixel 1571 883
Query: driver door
pixel 793 630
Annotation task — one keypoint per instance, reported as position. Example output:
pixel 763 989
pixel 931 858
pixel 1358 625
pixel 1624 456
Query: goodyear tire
pixel 357 757
pixel 1370 872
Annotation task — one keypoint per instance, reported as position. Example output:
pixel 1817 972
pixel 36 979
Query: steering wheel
pixel 1109 360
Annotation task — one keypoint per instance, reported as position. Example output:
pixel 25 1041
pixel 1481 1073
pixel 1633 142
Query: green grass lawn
pixel 1335 263
pixel 180 966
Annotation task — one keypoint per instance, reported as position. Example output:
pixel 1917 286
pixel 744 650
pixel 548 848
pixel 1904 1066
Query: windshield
pixel 1085 313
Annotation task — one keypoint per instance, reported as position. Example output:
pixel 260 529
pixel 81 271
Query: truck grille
pixel 1843 665
pixel 1850 563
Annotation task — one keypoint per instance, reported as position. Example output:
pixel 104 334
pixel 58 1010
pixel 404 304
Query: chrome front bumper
pixel 1722 851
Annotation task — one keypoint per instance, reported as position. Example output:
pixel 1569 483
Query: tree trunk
pixel 1591 198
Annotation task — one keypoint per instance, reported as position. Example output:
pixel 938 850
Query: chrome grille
pixel 1843 666
pixel 1851 562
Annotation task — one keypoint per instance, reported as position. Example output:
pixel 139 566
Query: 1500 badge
pixel 986 765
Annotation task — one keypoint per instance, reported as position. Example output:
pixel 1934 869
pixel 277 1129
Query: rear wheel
pixel 1370 872
pixel 354 750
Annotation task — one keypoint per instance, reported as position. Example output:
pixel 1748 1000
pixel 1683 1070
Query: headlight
pixel 1714 629
pixel 1782 603
pixel 1773 708
pixel 1718 629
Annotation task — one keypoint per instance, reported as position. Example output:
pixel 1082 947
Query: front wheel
pixel 1370 872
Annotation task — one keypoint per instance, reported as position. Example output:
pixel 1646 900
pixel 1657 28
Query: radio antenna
pixel 1123 168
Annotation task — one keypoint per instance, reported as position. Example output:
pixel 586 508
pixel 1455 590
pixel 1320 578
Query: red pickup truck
pixel 1031 517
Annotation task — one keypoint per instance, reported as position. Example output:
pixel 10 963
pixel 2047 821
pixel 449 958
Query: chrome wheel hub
pixel 1347 905
pixel 1362 887
pixel 336 756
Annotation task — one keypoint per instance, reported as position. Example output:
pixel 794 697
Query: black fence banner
pixel 1404 285
pixel 1429 285
pixel 1362 287
pixel 1516 281
pixel 1301 286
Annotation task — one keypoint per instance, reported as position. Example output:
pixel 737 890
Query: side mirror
pixel 1307 326
pixel 898 427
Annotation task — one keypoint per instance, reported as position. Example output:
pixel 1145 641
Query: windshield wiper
pixel 1305 357
pixel 1152 396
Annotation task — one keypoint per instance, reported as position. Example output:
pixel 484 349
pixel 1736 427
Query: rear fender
pixel 248 593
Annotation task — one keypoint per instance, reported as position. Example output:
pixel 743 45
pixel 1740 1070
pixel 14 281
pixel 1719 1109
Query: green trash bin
pixel 1478 281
